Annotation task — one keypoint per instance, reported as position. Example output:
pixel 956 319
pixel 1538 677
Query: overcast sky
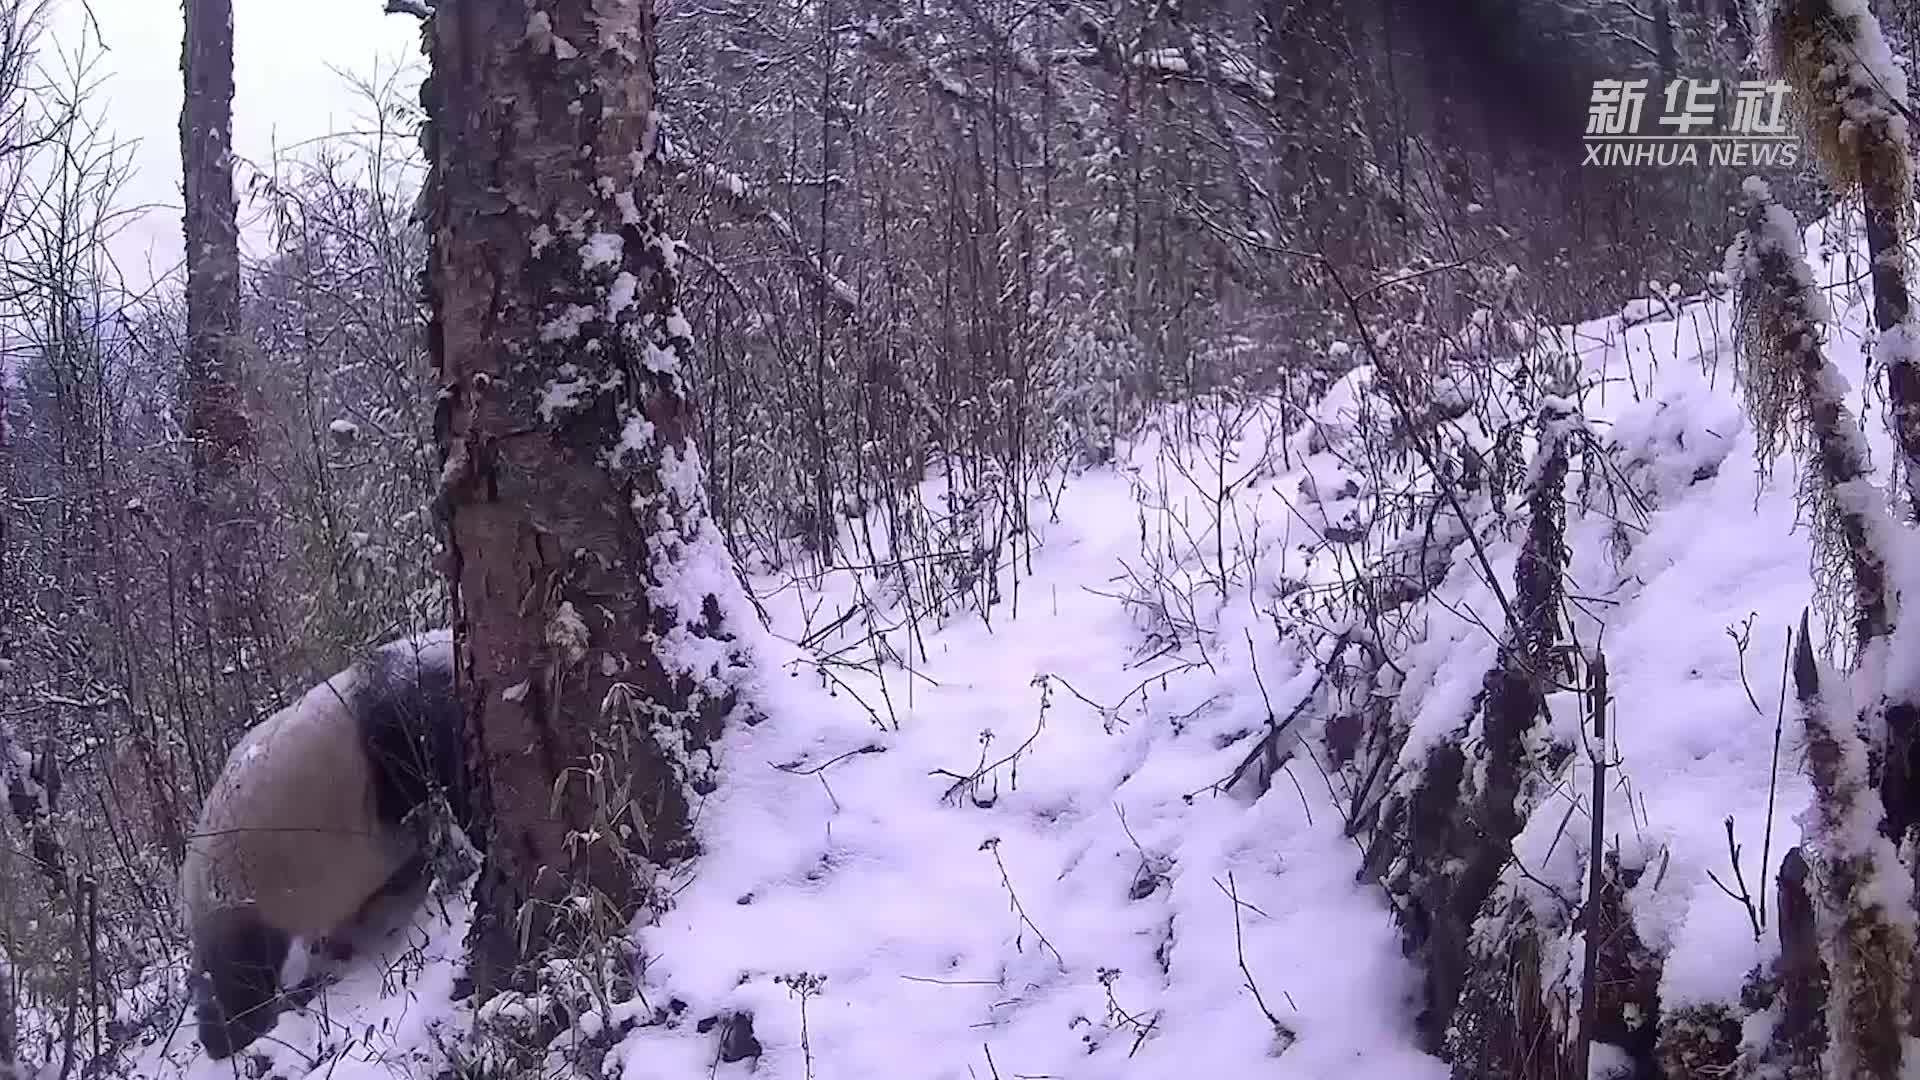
pixel 285 90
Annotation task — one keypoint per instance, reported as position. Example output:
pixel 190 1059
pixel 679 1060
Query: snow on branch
pixel 1849 88
pixel 1796 398
pixel 745 200
pixel 1864 915
pixel 1025 62
pixel 894 48
pixel 747 203
pixel 1199 63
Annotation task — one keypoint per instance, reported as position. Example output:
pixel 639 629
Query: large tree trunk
pixel 582 563
pixel 217 523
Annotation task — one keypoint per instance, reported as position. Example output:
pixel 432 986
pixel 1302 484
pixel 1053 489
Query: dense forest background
pixel 978 242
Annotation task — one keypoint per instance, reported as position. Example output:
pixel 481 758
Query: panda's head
pixel 309 820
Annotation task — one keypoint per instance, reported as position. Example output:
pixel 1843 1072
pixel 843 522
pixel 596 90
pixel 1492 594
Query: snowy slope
pixel 1094 904
pixel 1080 925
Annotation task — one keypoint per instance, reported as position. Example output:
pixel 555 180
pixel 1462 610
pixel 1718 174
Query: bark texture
pixel 591 653
pixel 216 522
pixel 1800 1039
pixel 1886 197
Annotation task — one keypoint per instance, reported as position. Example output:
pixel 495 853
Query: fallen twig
pixel 1286 1034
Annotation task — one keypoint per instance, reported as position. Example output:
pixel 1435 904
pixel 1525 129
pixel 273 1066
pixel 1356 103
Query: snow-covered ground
pixel 1012 857
pixel 1073 912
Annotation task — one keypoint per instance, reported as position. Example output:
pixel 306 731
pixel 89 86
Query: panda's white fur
pixel 303 827
pixel 295 798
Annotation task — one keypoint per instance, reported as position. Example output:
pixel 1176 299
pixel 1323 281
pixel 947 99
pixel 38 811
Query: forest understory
pixel 1157 802
pixel 1115 540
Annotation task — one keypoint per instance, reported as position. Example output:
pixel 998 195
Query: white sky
pixel 285 91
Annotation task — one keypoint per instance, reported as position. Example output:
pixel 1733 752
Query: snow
pixel 601 249
pixel 1899 345
pixel 636 437
pixel 1002 845
pixel 1863 77
pixel 1642 310
pixel 1609 1062
pixel 620 294
pixel 628 207
pixel 566 325
pixel 662 361
pixel 563 393
pixel 854 867
pixel 1874 64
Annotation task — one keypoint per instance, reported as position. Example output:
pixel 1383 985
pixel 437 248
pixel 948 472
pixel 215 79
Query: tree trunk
pixel 582 563
pixel 216 529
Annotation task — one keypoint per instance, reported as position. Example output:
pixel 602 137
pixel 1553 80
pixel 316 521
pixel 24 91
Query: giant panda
pixel 306 827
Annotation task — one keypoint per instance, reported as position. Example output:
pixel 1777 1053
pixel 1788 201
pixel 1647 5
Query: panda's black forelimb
pixel 241 957
pixel 405 881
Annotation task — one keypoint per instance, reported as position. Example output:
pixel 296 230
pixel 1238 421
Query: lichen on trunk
pixel 592 594
pixel 1863 908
